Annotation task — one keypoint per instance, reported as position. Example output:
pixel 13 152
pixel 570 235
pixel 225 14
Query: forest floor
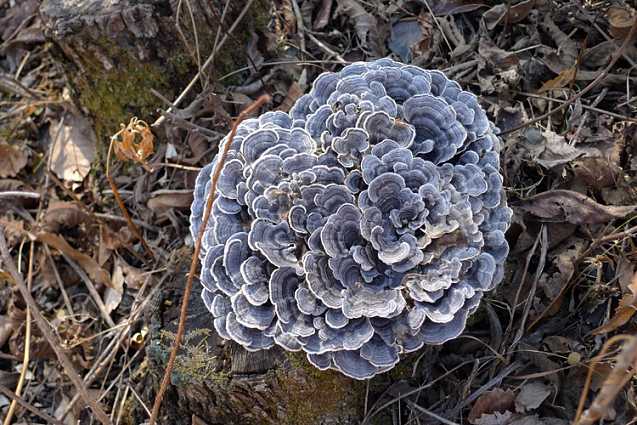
pixel 559 331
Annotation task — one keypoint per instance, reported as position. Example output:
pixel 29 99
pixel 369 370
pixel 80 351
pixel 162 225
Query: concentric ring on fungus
pixel 365 223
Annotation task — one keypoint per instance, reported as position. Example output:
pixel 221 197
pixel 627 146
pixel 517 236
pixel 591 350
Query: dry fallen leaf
pixel 412 37
pixel 531 396
pixel 624 273
pixel 496 400
pixel 498 58
pixel 15 16
pixel 599 55
pixel 113 294
pixel 323 15
pixel 596 173
pixel 62 215
pixel 163 200
pixel 565 257
pixel 366 26
pixel 572 207
pixel 133 277
pixel 559 344
pixel 8 325
pixel 624 312
pixel 12 160
pixel 39 347
pixel 111 240
pixel 620 20
pixel 62 409
pixel 285 11
pixel 508 14
pixel 98 274
pixel 13 230
pixel 568 49
pixel 74 147
pixel 564 78
pixel 452 7
pixel 548 148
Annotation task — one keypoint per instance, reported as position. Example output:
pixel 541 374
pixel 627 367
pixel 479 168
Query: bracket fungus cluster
pixel 366 222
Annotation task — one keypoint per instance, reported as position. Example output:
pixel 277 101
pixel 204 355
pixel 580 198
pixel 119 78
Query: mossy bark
pixel 221 383
pixel 114 53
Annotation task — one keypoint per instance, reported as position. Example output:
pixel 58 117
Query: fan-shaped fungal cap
pixel 365 223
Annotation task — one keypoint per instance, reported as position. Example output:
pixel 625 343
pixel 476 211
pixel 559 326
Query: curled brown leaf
pixel 572 207
pixel 62 215
pixel 92 268
pixel 625 310
pixel 508 14
pixel 496 400
pixel 620 20
pixel 563 79
pixel 12 160
pixel 323 15
pixel 366 25
pixel 162 200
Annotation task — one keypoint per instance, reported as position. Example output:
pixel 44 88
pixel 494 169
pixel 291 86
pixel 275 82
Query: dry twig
pixel 630 232
pixel 129 221
pixel 27 343
pixel 616 380
pixel 618 53
pixel 19 400
pixel 208 61
pixel 48 334
pixel 107 355
pixel 195 256
pixel 91 289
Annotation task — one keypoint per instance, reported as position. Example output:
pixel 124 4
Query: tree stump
pixel 115 52
pixel 221 383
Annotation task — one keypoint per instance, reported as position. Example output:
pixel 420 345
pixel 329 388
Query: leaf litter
pixel 574 174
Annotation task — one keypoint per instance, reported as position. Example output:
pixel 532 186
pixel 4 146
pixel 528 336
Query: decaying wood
pixel 115 52
pixel 234 386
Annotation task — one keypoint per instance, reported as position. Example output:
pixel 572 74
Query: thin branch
pixel 122 207
pixel 597 242
pixel 300 27
pixel 26 357
pixel 373 411
pixel 91 289
pixel 525 271
pixel 207 63
pixel 18 194
pixel 22 402
pixel 618 53
pixel 326 49
pixel 496 380
pixel 543 235
pixel 613 383
pixel 277 63
pixel 58 279
pixel 48 334
pixel 586 107
pixel 433 16
pixel 107 355
pixel 119 219
pixel 431 414
pixel 193 264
